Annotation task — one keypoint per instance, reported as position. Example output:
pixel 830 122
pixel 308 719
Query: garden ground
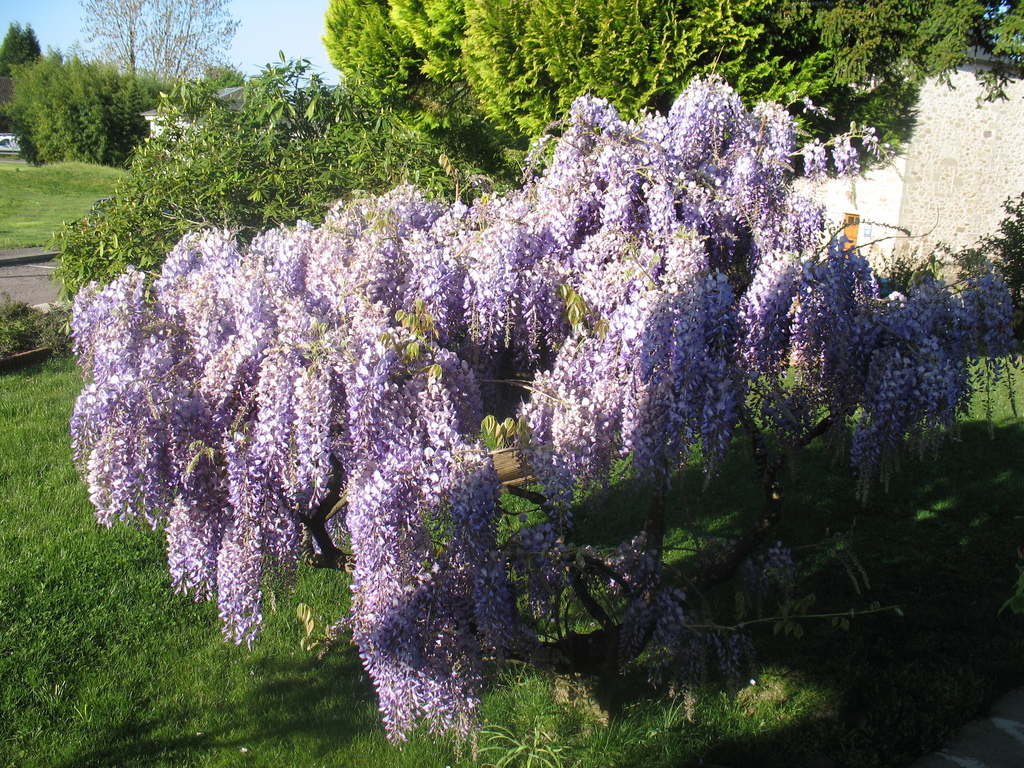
pixel 994 741
pixel 105 666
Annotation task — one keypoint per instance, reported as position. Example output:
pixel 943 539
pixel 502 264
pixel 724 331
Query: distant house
pixel 6 95
pixel 965 157
pixel 234 97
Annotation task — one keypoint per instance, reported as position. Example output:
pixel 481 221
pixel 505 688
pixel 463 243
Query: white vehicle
pixel 9 144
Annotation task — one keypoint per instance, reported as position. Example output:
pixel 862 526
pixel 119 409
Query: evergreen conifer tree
pixel 20 46
pixel 523 62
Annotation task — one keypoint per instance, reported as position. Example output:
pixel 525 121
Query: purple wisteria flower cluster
pixel 655 287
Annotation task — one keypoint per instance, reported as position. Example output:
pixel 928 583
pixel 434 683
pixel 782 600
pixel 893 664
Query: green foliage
pixel 522 62
pixel 1006 248
pixel 20 46
pixel 1016 601
pixel 69 109
pixel 1007 33
pixel 868 37
pixel 527 61
pixel 362 42
pixel 218 76
pixel 436 28
pixel 407 54
pixel 639 55
pixel 295 148
pixel 23 328
pixel 504 750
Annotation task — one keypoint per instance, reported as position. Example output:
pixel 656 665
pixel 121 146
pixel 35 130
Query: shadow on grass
pixel 299 706
pixel 941 542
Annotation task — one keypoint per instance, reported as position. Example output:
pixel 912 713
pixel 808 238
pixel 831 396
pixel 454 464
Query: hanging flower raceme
pixel 431 597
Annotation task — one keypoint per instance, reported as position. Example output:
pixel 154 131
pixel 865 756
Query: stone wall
pixel 965 158
pixel 875 198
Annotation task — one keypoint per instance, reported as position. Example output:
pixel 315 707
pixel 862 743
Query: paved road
pixel 26 275
pixel 993 741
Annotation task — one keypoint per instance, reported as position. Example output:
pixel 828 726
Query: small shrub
pixel 905 267
pixel 23 328
pixel 1006 248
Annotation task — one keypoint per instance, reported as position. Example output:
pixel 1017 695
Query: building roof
pixel 6 89
pixel 234 97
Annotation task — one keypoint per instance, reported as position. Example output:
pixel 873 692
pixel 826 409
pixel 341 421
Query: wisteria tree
pixel 353 396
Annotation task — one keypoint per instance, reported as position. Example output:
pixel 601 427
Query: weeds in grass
pixel 512 752
pixel 23 328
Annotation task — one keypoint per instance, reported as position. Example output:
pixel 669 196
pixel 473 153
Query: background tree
pixel 20 46
pixel 295 148
pixel 925 39
pixel 170 39
pixel 526 61
pixel 219 76
pixel 69 109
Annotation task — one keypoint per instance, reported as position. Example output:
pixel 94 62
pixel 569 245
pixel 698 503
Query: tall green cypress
pixel 524 61
pixel 362 42
pixel 408 53
pixel 527 61
pixel 20 46
pixel 435 27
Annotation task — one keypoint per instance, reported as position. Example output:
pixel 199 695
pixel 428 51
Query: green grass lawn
pixel 103 665
pixel 36 200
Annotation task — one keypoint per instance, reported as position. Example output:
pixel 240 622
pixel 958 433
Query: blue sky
pixel 267 26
